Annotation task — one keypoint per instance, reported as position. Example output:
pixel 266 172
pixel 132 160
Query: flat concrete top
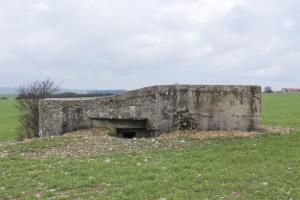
pixel 155 87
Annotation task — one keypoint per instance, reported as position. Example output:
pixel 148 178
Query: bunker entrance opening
pixel 123 128
pixel 130 133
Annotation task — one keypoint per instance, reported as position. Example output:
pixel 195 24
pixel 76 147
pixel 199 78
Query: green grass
pixel 266 167
pixel 8 118
pixel 281 109
pixel 259 168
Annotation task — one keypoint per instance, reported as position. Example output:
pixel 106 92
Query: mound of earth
pixel 97 141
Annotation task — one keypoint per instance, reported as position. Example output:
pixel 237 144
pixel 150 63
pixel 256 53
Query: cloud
pixel 204 11
pixel 41 7
pixel 130 44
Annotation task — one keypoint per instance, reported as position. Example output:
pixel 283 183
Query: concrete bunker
pixel 154 110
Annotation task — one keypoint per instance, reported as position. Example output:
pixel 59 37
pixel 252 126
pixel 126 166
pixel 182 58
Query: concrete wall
pixel 165 108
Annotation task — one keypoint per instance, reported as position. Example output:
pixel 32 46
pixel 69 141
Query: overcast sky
pixel 127 44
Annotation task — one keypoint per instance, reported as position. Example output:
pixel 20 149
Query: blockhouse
pixel 153 110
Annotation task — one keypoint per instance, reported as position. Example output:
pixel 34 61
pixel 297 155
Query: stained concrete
pixel 157 109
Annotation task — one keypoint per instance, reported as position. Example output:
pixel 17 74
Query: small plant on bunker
pixel 28 105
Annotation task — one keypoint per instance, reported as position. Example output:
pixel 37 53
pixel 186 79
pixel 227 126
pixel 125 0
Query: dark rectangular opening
pixel 132 133
pixel 129 135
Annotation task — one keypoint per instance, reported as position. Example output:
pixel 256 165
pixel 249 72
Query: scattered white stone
pixel 107 160
pixel 265 183
pixel 2 188
pixel 38 195
pixel 162 198
pixel 3 154
pixel 138 164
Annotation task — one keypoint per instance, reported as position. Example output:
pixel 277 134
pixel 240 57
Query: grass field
pixel 265 167
pixel 8 118
pixel 281 109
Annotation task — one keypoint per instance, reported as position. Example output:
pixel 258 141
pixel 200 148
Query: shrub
pixel 28 105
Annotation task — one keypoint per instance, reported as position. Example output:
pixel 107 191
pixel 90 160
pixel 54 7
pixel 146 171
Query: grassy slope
pixel 281 109
pixel 8 118
pixel 254 168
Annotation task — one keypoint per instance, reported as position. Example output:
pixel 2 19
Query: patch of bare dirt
pixel 204 135
pixel 277 129
pixel 105 144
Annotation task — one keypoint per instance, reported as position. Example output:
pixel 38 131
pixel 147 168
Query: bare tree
pixel 28 105
pixel 268 89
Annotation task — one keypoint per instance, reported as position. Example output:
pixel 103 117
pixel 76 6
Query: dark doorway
pixel 132 133
pixel 129 135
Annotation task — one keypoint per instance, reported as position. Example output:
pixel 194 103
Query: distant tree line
pixel 65 95
pixel 268 89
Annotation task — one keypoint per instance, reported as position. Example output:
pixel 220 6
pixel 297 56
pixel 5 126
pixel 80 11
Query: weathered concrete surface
pixel 162 109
